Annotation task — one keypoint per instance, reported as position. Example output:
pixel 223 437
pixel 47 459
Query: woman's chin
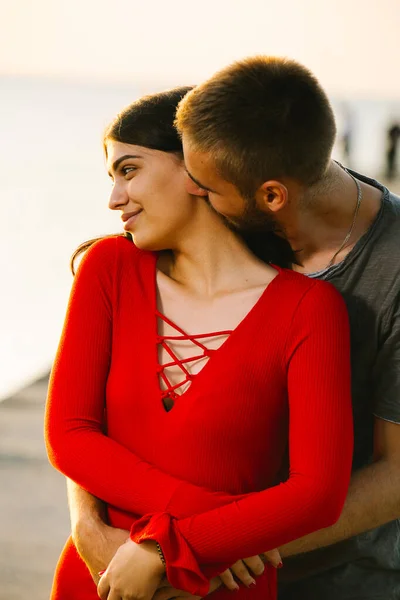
pixel 146 243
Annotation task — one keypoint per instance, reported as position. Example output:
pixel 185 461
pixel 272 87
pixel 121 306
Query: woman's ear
pixel 193 189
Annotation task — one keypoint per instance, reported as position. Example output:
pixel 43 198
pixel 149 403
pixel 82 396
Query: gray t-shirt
pixel 366 566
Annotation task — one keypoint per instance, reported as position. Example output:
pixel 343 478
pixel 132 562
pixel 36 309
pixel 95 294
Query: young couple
pixel 200 401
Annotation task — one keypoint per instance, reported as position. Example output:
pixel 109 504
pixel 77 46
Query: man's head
pixel 254 131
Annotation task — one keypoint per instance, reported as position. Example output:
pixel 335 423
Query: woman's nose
pixel 118 198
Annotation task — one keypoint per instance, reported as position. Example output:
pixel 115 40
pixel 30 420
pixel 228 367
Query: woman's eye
pixel 126 170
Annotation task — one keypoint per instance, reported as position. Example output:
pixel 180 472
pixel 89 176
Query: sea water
pixel 54 192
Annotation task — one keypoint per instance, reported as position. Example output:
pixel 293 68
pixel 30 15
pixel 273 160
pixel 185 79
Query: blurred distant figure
pixel 393 136
pixel 347 135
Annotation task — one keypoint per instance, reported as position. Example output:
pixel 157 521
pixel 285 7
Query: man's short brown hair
pixel 261 118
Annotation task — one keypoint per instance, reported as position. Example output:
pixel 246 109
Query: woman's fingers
pixel 241 570
pixel 244 569
pixel 228 580
pixel 215 583
pixel 255 564
pixel 273 557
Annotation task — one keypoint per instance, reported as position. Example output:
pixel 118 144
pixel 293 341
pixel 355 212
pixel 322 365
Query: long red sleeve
pixel 320 442
pixel 76 443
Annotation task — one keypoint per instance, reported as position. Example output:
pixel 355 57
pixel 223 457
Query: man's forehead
pixel 195 157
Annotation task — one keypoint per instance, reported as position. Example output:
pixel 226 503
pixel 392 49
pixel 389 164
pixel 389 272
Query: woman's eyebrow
pixel 203 187
pixel 119 160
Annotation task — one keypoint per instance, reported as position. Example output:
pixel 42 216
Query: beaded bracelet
pixel 161 554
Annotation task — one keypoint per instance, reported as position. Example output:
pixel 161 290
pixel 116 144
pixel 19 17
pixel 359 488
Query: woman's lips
pixel 130 218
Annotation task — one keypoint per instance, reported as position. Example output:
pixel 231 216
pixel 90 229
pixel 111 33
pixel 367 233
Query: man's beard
pixel 253 219
pixel 263 235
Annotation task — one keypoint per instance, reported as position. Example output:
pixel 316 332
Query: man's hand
pixel 135 572
pixel 98 545
pixel 166 592
pixel 95 541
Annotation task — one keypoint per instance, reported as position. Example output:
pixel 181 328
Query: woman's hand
pixel 242 569
pixel 134 573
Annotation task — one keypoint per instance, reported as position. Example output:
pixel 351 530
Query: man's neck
pixel 324 217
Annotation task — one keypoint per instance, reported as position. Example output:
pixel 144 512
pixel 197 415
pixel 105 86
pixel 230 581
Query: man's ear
pixel 193 189
pixel 272 195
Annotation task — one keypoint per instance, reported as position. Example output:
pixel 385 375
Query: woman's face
pixel 150 190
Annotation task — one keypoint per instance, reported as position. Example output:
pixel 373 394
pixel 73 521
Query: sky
pixel 351 45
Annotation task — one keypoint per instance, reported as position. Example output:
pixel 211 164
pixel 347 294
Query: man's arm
pixel 84 507
pixel 373 498
pixel 95 541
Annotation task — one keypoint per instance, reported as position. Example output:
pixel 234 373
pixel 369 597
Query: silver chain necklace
pixel 349 233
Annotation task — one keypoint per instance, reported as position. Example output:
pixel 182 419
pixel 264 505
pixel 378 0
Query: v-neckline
pixel 217 352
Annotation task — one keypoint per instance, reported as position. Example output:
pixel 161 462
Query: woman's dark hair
pixel 149 122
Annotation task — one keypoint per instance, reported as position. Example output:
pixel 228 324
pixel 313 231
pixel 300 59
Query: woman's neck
pixel 212 260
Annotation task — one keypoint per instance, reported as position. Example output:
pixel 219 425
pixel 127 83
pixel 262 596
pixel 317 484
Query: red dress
pixel 201 479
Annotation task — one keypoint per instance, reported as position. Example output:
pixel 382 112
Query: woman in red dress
pixel 204 363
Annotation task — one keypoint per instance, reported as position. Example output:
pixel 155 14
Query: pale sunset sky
pixel 351 45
